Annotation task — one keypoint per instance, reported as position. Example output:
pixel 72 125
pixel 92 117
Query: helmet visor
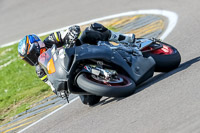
pixel 28 60
pixel 32 57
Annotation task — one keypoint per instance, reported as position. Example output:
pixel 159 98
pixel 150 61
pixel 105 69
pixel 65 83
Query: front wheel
pixel 90 99
pixel 120 87
pixel 167 58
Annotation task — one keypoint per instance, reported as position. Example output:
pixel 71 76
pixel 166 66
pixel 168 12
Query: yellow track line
pixel 25 119
pixel 148 28
pixel 117 21
pixel 18 126
pixel 124 21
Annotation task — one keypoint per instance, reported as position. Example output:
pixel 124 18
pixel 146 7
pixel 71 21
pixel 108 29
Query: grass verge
pixel 19 85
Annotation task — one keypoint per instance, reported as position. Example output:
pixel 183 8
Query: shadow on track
pixel 154 80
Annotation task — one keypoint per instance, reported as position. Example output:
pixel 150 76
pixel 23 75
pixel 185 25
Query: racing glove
pixel 71 35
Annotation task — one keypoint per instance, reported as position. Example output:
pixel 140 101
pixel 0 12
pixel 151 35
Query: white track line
pixel 7 63
pixel 172 17
pixel 48 115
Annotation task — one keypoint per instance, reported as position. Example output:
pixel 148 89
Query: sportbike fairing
pixel 46 60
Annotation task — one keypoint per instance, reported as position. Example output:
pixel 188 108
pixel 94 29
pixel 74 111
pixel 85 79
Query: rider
pixel 31 46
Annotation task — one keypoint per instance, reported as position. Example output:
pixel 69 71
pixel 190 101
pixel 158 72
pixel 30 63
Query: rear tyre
pixel 166 58
pixel 121 87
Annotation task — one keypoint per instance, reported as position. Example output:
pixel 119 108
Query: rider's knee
pixel 98 27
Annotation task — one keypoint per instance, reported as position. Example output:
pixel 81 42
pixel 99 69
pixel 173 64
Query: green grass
pixel 19 85
pixel 113 28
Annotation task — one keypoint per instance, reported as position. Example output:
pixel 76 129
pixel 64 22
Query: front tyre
pixel 90 99
pixel 120 87
pixel 167 58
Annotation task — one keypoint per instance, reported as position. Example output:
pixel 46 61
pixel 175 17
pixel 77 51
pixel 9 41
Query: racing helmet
pixel 30 48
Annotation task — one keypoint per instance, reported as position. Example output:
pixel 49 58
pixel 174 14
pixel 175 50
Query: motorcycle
pixel 93 71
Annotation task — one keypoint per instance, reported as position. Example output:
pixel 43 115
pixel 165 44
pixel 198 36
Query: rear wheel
pixel 167 58
pixel 121 86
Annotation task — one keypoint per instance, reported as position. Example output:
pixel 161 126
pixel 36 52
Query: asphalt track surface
pixel 167 103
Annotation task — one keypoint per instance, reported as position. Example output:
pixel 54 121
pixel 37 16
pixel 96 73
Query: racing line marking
pixel 48 115
pixel 7 63
pixel 172 17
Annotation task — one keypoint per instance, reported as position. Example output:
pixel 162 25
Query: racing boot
pixel 122 38
pixel 125 39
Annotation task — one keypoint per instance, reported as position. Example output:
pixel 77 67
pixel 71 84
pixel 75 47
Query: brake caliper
pixel 97 70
